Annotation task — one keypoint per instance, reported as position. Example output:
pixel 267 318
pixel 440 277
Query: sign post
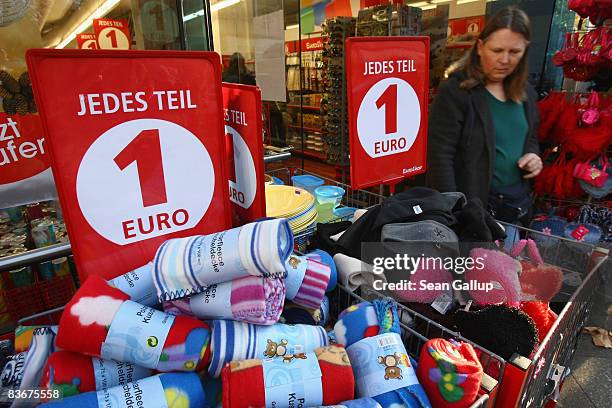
pixel 388 84
pixel 137 158
pixel 87 42
pixel 244 147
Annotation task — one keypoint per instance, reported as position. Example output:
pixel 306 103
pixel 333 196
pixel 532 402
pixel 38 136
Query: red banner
pixel 137 148
pixel 310 44
pixel 244 149
pixel 22 148
pixel 112 34
pixel 87 42
pixel 388 79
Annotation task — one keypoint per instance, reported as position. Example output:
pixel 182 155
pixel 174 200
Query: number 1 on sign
pixel 145 150
pixel 112 34
pixel 388 99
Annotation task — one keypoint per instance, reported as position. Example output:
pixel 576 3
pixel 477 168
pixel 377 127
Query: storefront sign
pixel 310 44
pixel 24 163
pixel 112 34
pixel 87 41
pixel 464 31
pixel 244 147
pixel 137 158
pixel 388 80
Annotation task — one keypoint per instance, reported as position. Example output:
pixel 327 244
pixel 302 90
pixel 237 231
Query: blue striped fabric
pixel 236 341
pixel 186 266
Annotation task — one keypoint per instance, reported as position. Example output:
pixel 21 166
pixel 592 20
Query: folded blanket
pixel 23 371
pixel 296 314
pixel 325 258
pixel 172 390
pixel 383 371
pixel 185 266
pixel 251 299
pixel 366 319
pixel 321 377
pixel 497 269
pixel 353 273
pixel 307 280
pixel 450 372
pixel 100 321
pixel 74 373
pixel 234 341
pixel 138 284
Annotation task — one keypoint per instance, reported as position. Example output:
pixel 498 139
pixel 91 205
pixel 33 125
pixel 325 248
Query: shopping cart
pixel 521 381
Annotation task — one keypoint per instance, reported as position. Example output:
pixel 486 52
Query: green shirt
pixel 511 129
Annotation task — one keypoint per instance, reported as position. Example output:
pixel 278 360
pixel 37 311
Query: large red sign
pixel 244 148
pixel 388 79
pixel 22 147
pixel 137 148
pixel 112 34
pixel 87 41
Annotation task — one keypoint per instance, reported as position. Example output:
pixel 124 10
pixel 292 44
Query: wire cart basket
pixel 521 381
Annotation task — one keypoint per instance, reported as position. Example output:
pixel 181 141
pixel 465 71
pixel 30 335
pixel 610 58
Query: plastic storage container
pixel 307 182
pixel 328 198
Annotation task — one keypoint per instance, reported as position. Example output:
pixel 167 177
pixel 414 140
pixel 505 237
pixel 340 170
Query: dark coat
pixel 461 143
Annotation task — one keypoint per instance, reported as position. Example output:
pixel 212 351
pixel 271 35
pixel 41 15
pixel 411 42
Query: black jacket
pixel 461 143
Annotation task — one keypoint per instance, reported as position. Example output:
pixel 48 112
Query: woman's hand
pixel 532 164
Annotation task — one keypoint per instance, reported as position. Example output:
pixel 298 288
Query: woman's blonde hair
pixel 517 21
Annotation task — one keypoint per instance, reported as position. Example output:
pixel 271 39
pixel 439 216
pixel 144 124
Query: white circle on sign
pixel 111 38
pixel 243 190
pixel 111 199
pixel 90 45
pixel 473 28
pixel 372 121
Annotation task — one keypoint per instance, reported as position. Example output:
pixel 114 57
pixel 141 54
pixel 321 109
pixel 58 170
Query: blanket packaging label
pixel 281 340
pixel 137 335
pixel 213 257
pixel 148 392
pixel 381 365
pixel 110 373
pixel 138 284
pixel 214 303
pixel 293 381
pixel 296 270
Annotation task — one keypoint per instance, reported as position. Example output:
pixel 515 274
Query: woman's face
pixel 501 53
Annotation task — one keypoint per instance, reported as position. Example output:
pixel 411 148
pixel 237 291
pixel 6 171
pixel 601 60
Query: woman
pixel 482 127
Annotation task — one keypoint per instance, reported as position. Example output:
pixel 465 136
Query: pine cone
pixel 32 106
pixel 21 104
pixel 26 90
pixel 9 106
pixel 9 83
pixel 24 79
pixel 5 94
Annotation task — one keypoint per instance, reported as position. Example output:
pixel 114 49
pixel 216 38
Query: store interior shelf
pixel 305 107
pixel 307 129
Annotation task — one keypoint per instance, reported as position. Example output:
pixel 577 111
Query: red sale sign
pixel 87 42
pixel 387 82
pixel 244 152
pixel 138 158
pixel 22 147
pixel 112 34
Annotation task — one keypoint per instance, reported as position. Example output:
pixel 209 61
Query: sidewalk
pixel 590 382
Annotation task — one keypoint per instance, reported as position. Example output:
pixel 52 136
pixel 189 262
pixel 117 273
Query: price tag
pixel 244 149
pixel 388 82
pixel 112 34
pixel 138 159
pixel 87 42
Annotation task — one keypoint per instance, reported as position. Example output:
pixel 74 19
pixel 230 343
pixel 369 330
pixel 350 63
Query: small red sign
pixel 87 42
pixel 580 232
pixel 137 158
pixel 244 148
pixel 23 150
pixel 112 34
pixel 388 80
